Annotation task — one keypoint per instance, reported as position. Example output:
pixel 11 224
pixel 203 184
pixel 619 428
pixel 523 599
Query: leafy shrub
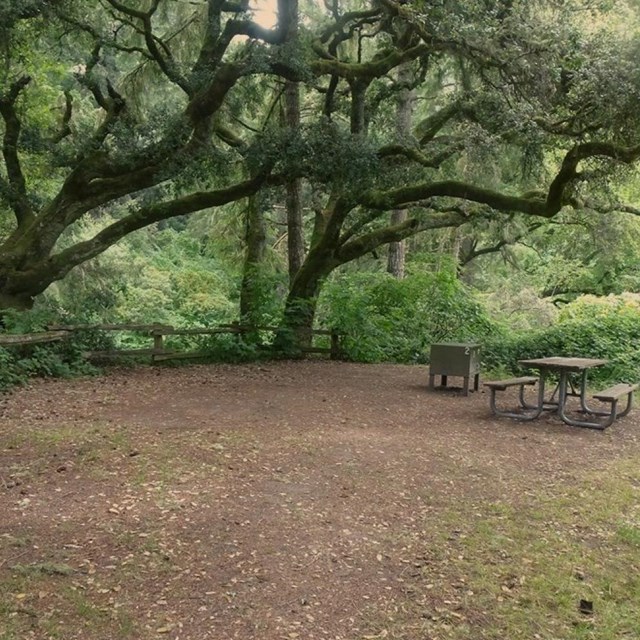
pixel 591 327
pixel 230 348
pixel 385 319
pixel 163 276
pixel 268 291
pixel 11 373
pixel 56 359
pixel 519 307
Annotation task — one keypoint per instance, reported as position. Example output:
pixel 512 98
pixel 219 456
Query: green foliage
pixel 324 152
pixel 164 276
pixel 230 348
pixel 30 321
pixel 582 253
pixel 62 359
pixel 268 289
pixel 11 373
pixel 518 306
pixel 607 328
pixel 386 319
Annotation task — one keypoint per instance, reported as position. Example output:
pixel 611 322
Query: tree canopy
pixel 159 108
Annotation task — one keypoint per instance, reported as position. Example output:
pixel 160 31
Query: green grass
pixel 47 568
pixel 519 568
pixel 630 534
pixel 43 599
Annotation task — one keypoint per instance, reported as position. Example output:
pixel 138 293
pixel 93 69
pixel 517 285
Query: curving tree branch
pixel 64 261
pixel 405 196
pixel 370 70
pixel 15 189
pixel 163 58
pixel 569 169
pixel 535 203
pixel 65 128
pixel 417 156
pixel 366 243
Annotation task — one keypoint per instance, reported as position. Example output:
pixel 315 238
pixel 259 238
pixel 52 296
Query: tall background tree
pixel 404 115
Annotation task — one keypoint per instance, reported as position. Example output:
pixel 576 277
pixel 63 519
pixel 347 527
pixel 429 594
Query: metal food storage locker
pixel 455 359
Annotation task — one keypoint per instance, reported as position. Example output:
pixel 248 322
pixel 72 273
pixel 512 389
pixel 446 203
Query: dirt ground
pixel 287 500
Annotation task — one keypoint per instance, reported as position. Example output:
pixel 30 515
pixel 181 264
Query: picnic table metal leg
pixel 523 403
pixel 548 405
pixel 591 425
pixel 620 414
pixel 540 408
pixel 626 410
pixel 540 404
pixel 521 416
pixel 552 404
pixel 583 398
pixel 562 391
pixel 597 412
pixel 562 401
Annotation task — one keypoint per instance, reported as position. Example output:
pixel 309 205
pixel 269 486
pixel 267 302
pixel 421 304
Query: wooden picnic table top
pixel 562 363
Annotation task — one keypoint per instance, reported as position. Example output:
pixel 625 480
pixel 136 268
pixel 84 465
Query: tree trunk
pixel 301 303
pixel 358 106
pixel 20 302
pixel 23 276
pixel 404 112
pixel 295 230
pixel 256 241
pixel 397 250
pixel 457 249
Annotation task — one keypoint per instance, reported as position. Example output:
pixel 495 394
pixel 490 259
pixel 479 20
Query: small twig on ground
pixel 309 563
pixel 3 562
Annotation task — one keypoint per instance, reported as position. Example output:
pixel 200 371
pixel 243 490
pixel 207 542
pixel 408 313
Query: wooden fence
pixel 15 340
pixel 158 351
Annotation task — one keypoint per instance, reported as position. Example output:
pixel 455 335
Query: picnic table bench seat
pixel 611 396
pixel 524 413
pixel 502 385
pixel 616 392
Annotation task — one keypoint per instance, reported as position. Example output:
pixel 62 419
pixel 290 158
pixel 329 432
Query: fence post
pixel 158 344
pixel 335 345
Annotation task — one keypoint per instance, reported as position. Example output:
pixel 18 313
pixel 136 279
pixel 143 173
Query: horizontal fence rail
pixel 8 340
pixel 157 332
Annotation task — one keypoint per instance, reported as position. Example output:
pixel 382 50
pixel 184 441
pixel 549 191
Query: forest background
pixel 402 172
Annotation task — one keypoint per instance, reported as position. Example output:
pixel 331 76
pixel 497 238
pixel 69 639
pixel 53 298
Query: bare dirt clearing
pixel 305 500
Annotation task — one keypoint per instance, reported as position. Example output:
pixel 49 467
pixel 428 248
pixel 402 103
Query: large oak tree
pixel 134 108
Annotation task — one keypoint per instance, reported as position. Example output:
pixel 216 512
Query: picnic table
pixel 566 370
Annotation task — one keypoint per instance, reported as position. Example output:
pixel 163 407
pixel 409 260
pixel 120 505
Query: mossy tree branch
pixel 16 187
